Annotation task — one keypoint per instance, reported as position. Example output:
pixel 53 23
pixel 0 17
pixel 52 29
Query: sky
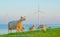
pixel 13 9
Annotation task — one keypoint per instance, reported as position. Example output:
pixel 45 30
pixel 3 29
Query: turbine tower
pixel 38 15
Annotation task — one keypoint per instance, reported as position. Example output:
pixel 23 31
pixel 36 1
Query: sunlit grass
pixel 37 33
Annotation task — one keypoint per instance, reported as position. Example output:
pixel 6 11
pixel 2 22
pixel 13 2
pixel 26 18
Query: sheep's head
pixel 23 18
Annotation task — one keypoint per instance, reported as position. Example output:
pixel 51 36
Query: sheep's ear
pixel 24 16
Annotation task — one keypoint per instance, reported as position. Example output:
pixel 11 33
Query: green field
pixel 49 33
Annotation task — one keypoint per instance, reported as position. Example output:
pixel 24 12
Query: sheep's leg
pixel 44 27
pixel 17 29
pixel 22 30
pixel 9 30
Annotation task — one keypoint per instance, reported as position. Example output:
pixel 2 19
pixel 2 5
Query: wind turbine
pixel 38 12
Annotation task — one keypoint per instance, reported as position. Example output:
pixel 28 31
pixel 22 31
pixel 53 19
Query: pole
pixel 38 16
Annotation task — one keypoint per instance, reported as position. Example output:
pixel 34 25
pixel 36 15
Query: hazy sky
pixel 14 9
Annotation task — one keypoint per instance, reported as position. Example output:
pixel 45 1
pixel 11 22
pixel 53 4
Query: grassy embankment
pixel 49 33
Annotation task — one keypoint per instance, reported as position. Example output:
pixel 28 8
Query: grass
pixel 49 33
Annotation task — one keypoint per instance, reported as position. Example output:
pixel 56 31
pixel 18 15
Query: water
pixel 4 27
